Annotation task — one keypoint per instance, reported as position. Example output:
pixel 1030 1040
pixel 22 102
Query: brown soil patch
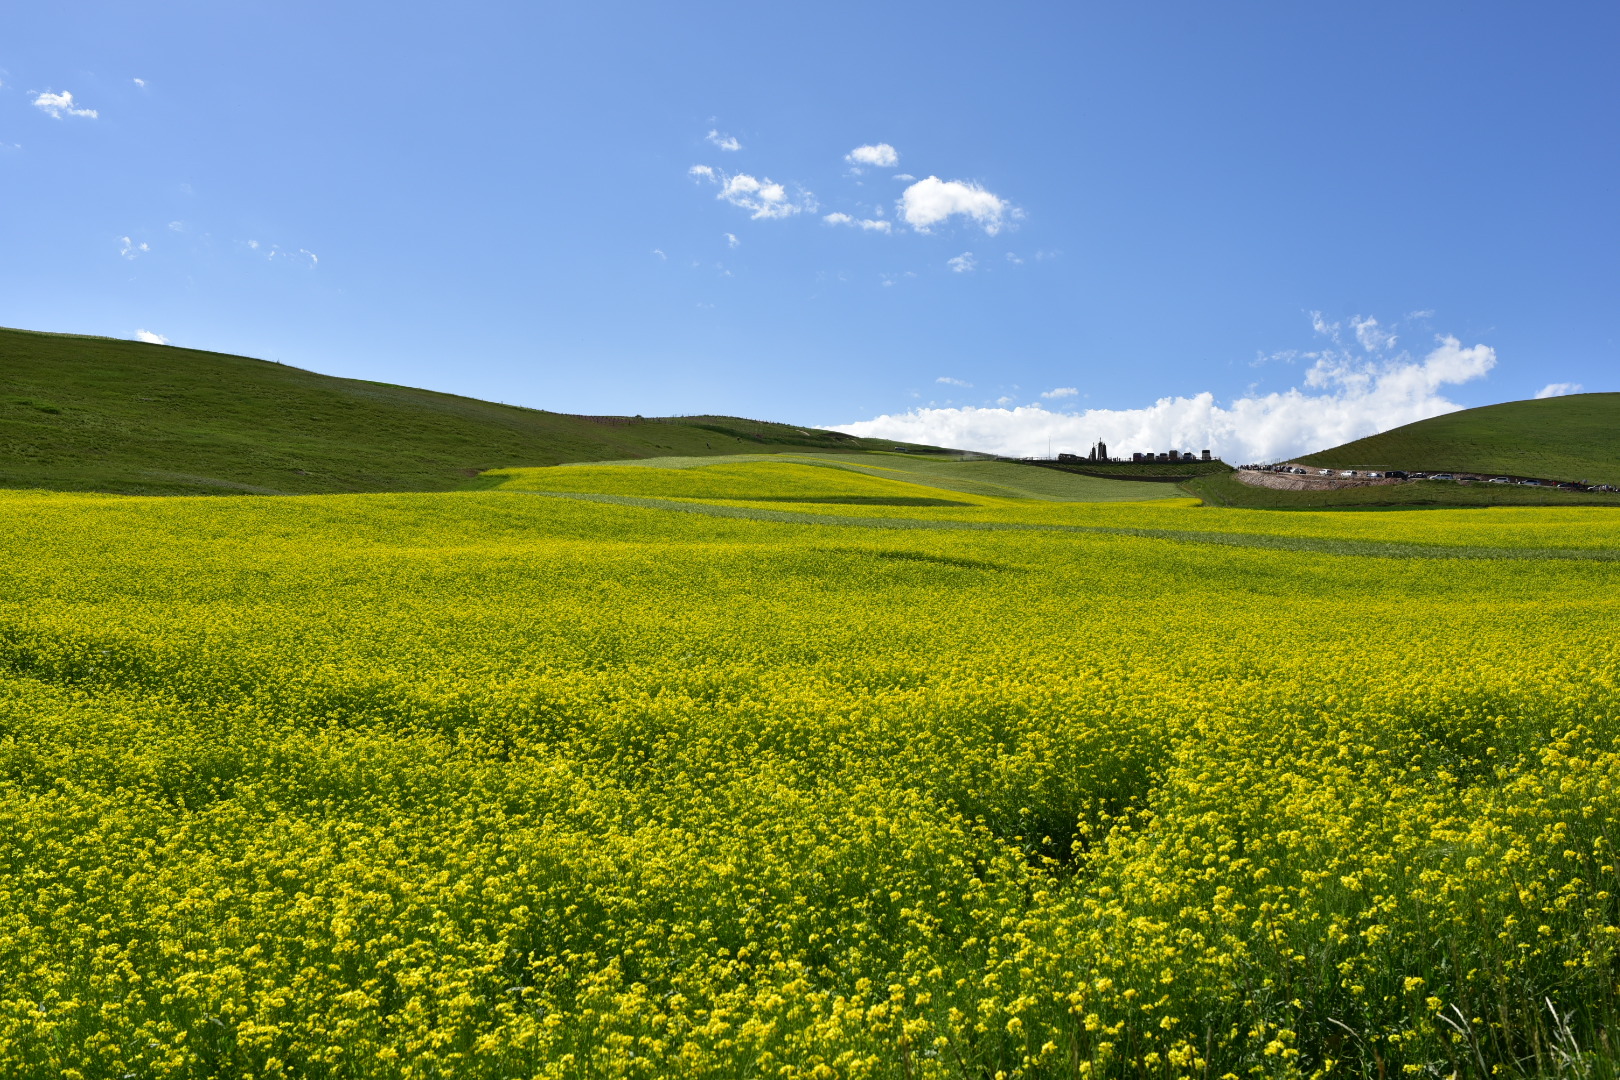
pixel 1309 482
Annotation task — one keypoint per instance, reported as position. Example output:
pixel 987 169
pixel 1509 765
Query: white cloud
pixel 1005 400
pixel 1344 399
pixel 129 249
pixel 659 253
pixel 904 176
pixel 963 263
pixel 177 226
pixel 303 256
pixel 151 338
pixel 948 381
pixel 1061 392
pixel 60 105
pixel 724 142
pixel 1372 337
pixel 1559 389
pixel 140 82
pixel 869 224
pixel 881 155
pixel 731 240
pixel 764 198
pixel 1014 259
pixel 929 202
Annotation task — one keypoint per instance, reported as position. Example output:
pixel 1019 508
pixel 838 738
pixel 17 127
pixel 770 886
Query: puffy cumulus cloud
pixel 151 338
pixel 1061 392
pixel 963 263
pixel 1559 389
pixel 142 84
pixel 1340 402
pixel 880 155
pixel 724 142
pixel 931 201
pixel 869 224
pixel 762 198
pixel 60 105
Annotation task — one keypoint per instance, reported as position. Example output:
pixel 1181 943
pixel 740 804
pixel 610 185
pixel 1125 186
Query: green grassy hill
pixel 100 414
pixel 1562 438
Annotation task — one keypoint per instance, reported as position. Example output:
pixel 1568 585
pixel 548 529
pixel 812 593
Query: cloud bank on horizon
pixel 1344 396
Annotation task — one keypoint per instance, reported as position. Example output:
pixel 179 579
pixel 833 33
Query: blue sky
pixel 1174 220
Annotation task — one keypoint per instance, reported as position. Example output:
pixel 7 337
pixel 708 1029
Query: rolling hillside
pixel 1563 438
pixel 101 414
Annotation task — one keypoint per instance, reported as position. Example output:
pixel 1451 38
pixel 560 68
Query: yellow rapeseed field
pixel 780 770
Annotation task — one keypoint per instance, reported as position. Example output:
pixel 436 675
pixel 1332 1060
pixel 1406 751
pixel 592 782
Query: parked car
pixel 1500 480
pixel 1442 476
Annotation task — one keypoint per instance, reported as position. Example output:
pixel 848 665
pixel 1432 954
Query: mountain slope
pixel 1563 438
pixel 101 414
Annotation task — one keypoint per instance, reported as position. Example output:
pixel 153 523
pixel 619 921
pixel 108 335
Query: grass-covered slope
pixel 851 477
pixel 1564 438
pixel 100 414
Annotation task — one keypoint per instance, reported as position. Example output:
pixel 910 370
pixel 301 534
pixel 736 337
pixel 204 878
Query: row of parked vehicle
pixel 1398 474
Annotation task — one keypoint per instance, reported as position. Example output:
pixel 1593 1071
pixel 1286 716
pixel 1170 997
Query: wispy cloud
pixel 1559 389
pixel 948 381
pixel 731 240
pixel 301 256
pixel 929 202
pixel 140 83
pixel 1370 335
pixel 151 338
pixel 131 249
pixel 763 198
pixel 724 142
pixel 1342 399
pixel 60 105
pixel 879 155
pixel 1060 392
pixel 869 224
pixel 963 263
pixel 658 252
